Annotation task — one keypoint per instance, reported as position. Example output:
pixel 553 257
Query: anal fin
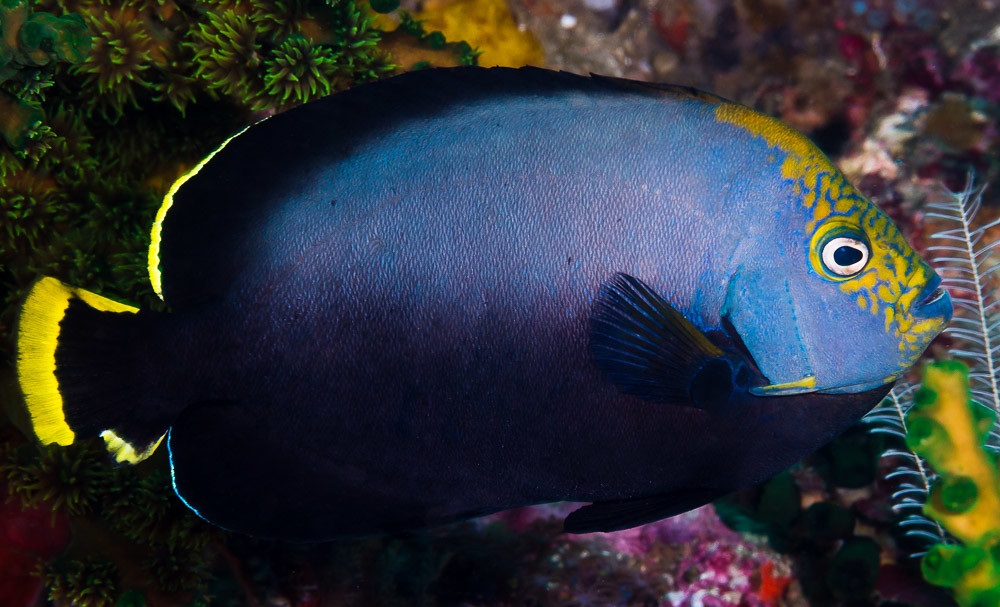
pixel 625 514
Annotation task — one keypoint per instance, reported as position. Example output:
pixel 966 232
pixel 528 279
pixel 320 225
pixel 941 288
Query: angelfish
pixel 459 291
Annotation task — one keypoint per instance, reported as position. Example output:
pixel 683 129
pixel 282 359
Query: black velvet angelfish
pixel 459 291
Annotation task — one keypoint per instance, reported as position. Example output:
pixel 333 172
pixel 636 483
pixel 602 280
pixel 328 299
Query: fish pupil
pixel 846 256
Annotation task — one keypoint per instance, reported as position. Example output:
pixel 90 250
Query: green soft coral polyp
pixel 957 494
pixel 940 566
pixel 948 429
pixel 925 433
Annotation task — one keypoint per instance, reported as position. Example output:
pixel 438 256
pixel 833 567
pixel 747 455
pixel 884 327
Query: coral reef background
pixel 104 103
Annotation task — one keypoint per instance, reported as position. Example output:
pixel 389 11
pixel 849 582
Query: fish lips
pixel 933 302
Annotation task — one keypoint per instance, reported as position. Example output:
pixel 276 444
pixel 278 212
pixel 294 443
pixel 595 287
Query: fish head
pixel 845 306
pixel 830 298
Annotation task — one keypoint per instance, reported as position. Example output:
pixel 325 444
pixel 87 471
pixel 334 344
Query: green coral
pixel 806 513
pixel 299 71
pixel 120 61
pixel 949 430
pixel 351 35
pixel 274 54
pixel 417 48
pixel 102 107
pixel 173 546
pixel 68 153
pixel 29 203
pixel 279 18
pixel 177 570
pixel 70 479
pixel 227 53
pixel 174 84
pixel 90 583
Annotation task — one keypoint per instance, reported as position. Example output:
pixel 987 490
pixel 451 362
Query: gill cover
pixel 840 302
pixel 857 313
pixel 761 307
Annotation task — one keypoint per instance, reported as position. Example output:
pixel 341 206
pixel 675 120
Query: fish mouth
pixel 933 301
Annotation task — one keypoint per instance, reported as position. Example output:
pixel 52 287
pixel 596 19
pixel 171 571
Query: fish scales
pixel 387 300
pixel 416 246
pixel 560 185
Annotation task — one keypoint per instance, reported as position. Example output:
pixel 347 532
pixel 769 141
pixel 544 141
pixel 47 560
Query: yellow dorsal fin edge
pixel 156 232
pixel 37 338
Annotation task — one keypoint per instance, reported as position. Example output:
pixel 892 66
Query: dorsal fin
pixel 671 90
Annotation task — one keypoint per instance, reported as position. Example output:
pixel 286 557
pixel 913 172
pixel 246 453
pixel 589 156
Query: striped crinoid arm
pixel 911 477
pixel 965 253
pixel 968 257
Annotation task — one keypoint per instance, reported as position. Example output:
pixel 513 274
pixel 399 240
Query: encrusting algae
pixel 487 25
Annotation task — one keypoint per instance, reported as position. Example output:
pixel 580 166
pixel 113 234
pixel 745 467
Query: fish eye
pixel 844 256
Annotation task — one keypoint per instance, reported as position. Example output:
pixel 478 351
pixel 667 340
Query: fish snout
pixel 933 301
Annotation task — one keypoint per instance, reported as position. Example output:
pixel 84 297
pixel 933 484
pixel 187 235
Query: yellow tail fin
pixel 38 335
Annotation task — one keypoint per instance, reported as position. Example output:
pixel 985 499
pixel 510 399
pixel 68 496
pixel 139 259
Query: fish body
pixel 450 293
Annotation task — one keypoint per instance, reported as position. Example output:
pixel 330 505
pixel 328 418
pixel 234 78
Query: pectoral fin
pixel 650 350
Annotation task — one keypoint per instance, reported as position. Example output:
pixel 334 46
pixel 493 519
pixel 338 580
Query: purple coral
pixel 690 560
pixel 980 70
pixel 725 574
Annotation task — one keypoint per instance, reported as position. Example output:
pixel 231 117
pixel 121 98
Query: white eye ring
pixel 845 262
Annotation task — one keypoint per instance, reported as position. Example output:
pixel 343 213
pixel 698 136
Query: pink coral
pixel 980 70
pixel 720 574
pixel 690 560
pixel 696 526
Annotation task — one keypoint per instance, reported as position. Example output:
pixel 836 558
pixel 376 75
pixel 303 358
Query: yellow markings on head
pixel 123 451
pixel 892 281
pixel 803 162
pixel 772 130
pixel 156 232
pixel 894 275
pixel 37 339
pixel 822 188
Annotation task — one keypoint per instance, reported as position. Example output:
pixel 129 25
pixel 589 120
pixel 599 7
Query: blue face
pixel 837 301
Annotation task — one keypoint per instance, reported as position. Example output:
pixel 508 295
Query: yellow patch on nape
pixel 37 338
pixel 772 130
pixel 813 177
pixel 125 452
pixel 156 232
